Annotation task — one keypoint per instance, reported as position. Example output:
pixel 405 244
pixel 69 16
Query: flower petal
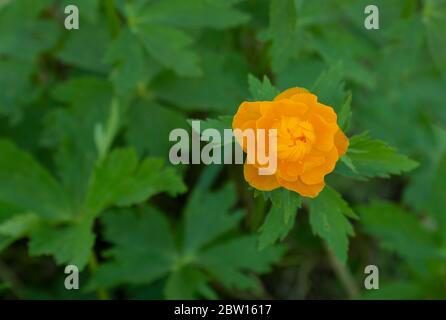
pixel 289 93
pixel 326 112
pixel 341 142
pixel 290 108
pixel 289 170
pixel 310 191
pixel 316 175
pixel 324 133
pixel 247 111
pixel 260 182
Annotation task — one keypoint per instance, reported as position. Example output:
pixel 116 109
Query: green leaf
pixel 283 22
pixel 345 114
pixel 212 212
pixel 280 218
pixel 143 250
pixel 171 48
pixel 121 180
pixel 192 13
pixel 328 219
pixel 373 158
pixel 68 244
pixel 339 45
pixel 23 35
pixel 15 226
pixel 261 90
pixel 434 16
pixel 206 218
pixel 70 130
pixel 27 185
pixel 398 230
pixel 329 87
pixel 132 66
pixel 86 48
pixel 140 135
pixel 15 78
pixel 18 225
pixel 426 191
pixel 220 123
pixel 230 262
pixel 188 283
pixel 220 89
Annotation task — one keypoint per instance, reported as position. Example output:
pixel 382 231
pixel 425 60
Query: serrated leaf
pixel 121 180
pixel 132 66
pixel 68 244
pixel 143 251
pixel 70 130
pixel 14 226
pixel 398 230
pixel 206 219
pixel 345 114
pixel 27 185
pixel 188 283
pixel 231 272
pixel 329 86
pixel 328 219
pixel 171 48
pixel 220 123
pixel 261 90
pixel 212 210
pixel 373 158
pixel 18 225
pixel 280 218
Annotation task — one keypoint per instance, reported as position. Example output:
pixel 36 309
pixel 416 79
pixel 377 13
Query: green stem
pixel 344 275
pixel 93 266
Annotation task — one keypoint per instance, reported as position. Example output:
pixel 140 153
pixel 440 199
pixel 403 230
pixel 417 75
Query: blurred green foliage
pixel 84 175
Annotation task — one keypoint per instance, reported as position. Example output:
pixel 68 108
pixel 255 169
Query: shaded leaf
pixel 329 215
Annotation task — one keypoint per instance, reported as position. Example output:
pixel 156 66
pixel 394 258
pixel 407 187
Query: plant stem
pixel 93 266
pixel 344 275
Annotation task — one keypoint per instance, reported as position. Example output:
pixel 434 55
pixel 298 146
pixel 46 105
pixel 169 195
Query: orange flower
pixel 309 141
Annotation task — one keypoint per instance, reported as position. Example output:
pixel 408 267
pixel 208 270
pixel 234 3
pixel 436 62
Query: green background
pixel 84 172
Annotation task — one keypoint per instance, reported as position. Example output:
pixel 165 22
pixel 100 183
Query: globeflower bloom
pixel 309 141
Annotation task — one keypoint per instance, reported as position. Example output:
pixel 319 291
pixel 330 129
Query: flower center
pixel 295 138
